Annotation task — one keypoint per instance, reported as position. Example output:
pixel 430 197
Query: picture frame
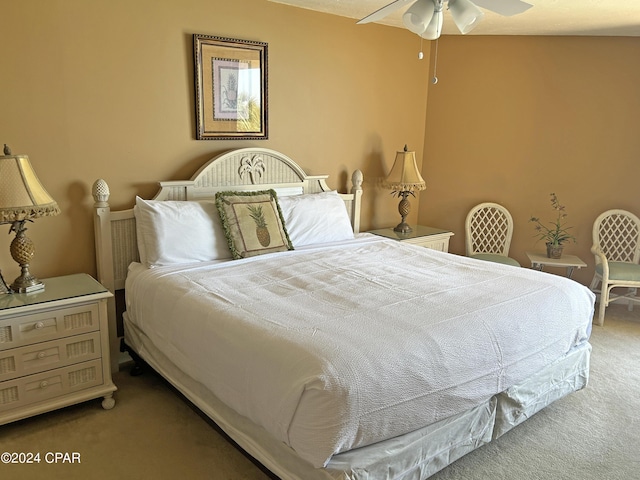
pixel 230 88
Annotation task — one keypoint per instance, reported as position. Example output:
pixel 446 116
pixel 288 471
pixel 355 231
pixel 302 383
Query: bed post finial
pixel 356 180
pixel 100 192
pixel 356 190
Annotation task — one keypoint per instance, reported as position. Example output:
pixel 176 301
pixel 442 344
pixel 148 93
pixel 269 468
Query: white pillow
pixel 315 218
pixel 171 232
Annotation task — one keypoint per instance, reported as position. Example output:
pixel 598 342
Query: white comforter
pixel 333 348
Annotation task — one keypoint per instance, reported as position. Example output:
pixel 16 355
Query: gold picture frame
pixel 231 88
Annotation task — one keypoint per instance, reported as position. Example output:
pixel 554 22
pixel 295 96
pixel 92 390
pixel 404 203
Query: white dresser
pixel 428 237
pixel 54 347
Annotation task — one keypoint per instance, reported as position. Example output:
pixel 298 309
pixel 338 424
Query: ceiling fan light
pixel 418 16
pixel 434 29
pixel 465 14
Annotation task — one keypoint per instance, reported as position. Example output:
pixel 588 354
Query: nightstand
pixel 428 237
pixel 54 347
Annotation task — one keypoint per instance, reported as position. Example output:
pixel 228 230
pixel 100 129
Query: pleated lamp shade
pixel 22 196
pixel 404 175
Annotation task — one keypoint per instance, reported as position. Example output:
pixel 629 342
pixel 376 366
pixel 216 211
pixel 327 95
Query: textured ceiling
pixel 547 17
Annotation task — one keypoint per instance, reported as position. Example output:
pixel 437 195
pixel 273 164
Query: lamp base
pixel 403 227
pixel 404 207
pixel 26 283
pixel 22 250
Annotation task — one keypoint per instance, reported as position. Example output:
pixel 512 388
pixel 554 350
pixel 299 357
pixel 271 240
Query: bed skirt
pixel 568 374
pixel 413 456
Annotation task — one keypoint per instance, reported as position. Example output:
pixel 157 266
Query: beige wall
pixel 513 119
pixel 104 88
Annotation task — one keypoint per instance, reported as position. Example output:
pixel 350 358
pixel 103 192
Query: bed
pixel 330 353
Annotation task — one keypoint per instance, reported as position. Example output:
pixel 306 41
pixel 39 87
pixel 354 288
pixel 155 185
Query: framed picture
pixel 231 88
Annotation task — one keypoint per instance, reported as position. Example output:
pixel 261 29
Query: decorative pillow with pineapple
pixel 252 223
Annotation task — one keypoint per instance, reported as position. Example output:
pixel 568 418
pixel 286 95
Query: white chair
pixel 616 246
pixel 489 228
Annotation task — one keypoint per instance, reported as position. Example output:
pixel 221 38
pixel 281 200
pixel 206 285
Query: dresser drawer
pixel 423 236
pixel 30 359
pixel 47 385
pixel 436 242
pixel 49 325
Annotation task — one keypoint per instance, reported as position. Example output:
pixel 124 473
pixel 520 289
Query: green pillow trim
pixel 252 222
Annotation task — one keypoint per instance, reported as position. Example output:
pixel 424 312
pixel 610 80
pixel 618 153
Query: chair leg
pixel 600 321
pixel 604 301
pixel 632 293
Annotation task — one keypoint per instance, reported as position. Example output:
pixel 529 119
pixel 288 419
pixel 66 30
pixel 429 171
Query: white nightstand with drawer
pixel 428 237
pixel 54 347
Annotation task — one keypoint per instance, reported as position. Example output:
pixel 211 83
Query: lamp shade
pixel 418 16
pixel 465 15
pixel 22 196
pixel 434 29
pixel 404 175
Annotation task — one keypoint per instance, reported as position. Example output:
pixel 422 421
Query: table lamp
pixel 403 179
pixel 22 198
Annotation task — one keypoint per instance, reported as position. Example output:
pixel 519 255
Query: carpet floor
pixel 153 433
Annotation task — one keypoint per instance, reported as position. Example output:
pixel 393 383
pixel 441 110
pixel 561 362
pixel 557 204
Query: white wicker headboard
pixel 242 169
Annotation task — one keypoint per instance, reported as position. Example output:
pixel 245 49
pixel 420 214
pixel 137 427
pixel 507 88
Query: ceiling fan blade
pixel 506 8
pixel 384 11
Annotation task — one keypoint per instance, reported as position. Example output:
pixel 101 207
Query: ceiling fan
pixel 425 17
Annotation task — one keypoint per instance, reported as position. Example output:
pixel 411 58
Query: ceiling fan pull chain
pixel 434 80
pixel 420 54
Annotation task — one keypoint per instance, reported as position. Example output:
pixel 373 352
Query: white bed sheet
pixel 412 456
pixel 329 360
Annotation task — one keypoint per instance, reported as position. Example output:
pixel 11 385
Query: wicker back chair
pixel 616 246
pixel 488 229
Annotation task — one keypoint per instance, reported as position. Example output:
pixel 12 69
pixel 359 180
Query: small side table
pixel 428 237
pixel 54 347
pixel 539 260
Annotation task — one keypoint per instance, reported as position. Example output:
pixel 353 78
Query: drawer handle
pixel 39 325
pixel 44 384
pixel 41 354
